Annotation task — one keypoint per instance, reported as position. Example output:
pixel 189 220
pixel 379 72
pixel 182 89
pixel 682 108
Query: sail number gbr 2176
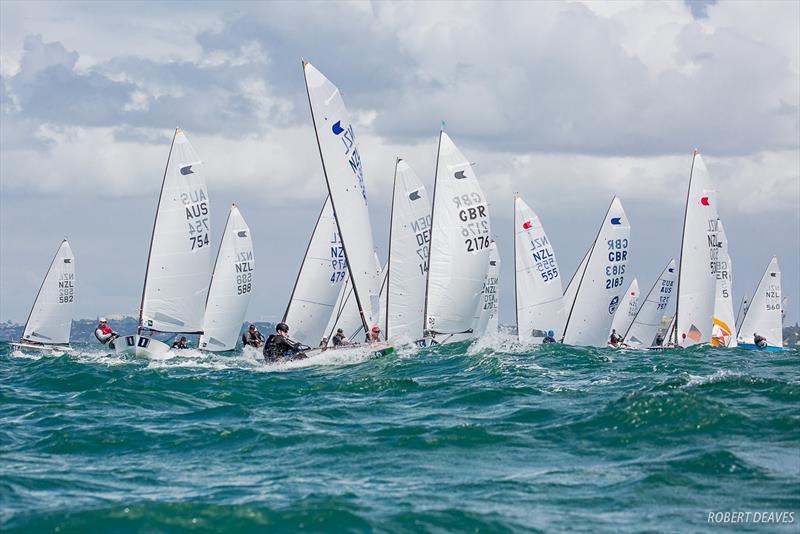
pixel 474 221
pixel 617 258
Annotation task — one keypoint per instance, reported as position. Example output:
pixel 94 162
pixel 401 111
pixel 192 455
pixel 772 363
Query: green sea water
pixel 489 437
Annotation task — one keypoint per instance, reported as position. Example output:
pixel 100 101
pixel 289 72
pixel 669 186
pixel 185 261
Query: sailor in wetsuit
pixel 280 347
pixel 104 333
pixel 549 338
pixel 252 337
pixel 339 340
pixel 759 341
pixel 181 343
pixel 615 338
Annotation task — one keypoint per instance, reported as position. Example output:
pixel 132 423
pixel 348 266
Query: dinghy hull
pixel 751 346
pixel 35 347
pixel 137 345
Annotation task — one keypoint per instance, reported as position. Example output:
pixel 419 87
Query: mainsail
pixel 627 309
pixel 602 282
pixel 409 237
pixel 647 322
pixel 723 331
pixel 50 319
pixel 763 317
pixel 231 286
pixel 176 282
pixel 696 278
pixel 538 289
pixel 341 162
pixel 319 281
pixel 572 290
pixel 459 247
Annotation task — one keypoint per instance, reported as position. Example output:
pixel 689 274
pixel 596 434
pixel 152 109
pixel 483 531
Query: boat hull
pixel 137 345
pixel 34 347
pixel 751 346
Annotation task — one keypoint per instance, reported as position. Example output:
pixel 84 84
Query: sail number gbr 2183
pixel 617 258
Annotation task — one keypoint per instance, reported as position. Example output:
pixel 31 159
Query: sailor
pixel 759 341
pixel 280 347
pixel 550 337
pixel 323 344
pixel 615 338
pixel 104 333
pixel 181 343
pixel 252 337
pixel 375 334
pixel 339 340
pixel 659 339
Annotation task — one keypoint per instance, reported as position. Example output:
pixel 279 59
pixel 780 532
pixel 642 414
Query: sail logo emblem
pixel 186 169
pixel 242 233
pixel 493 263
pixel 612 306
pixel 772 275
pixel 704 201
pixel 671 270
pixel 69 260
pixel 414 195
pixel 616 220
pixel 337 128
pixel 460 175
pixel 527 225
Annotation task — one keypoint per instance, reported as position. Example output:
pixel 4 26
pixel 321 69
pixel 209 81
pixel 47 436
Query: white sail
pixel 540 304
pixel 487 308
pixel 459 248
pixel 344 174
pixel 319 281
pixel 696 279
pixel 602 282
pixel 723 330
pixel 572 290
pixel 345 316
pixel 176 283
pixel 763 317
pixel 409 239
pixel 50 319
pixel 231 286
pixel 627 310
pixel 645 325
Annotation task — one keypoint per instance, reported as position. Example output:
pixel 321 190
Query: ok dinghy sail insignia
pixel 627 310
pixel 763 317
pixel 50 319
pixel 231 286
pixel 319 282
pixel 407 267
pixel 537 277
pixel 601 283
pixel 696 280
pixel 723 330
pixel 344 175
pixel 176 281
pixel 645 325
pixel 459 247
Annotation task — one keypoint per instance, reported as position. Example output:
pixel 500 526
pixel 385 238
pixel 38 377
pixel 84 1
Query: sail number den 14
pixel 474 219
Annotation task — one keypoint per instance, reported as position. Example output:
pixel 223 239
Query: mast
pixel 430 243
pixel 652 288
pixel 683 237
pixel 153 234
pixel 583 274
pixel 41 286
pixel 303 263
pixel 333 205
pixel 514 237
pixel 389 259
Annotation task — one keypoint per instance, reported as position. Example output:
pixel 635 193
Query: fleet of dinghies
pixel 440 282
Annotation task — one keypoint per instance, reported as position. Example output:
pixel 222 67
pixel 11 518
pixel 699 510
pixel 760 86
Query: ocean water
pixel 488 437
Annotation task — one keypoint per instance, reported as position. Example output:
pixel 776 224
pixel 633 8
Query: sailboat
pixel 627 310
pixel 344 175
pixel 763 317
pixel 232 285
pixel 601 282
pixel 537 277
pixel 459 248
pixel 645 325
pixel 50 319
pixel 407 267
pixel 723 329
pixel 697 280
pixel 177 276
pixel 319 282
pixel 486 321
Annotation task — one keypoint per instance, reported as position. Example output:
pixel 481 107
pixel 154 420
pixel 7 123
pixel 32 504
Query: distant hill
pixel 83 329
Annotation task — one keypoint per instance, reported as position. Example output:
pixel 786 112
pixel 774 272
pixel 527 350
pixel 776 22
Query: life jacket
pixel 103 334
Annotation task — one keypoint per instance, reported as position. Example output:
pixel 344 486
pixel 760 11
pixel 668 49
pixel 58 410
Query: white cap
pixel 103 320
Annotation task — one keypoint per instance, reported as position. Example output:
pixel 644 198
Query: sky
pixel 567 103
